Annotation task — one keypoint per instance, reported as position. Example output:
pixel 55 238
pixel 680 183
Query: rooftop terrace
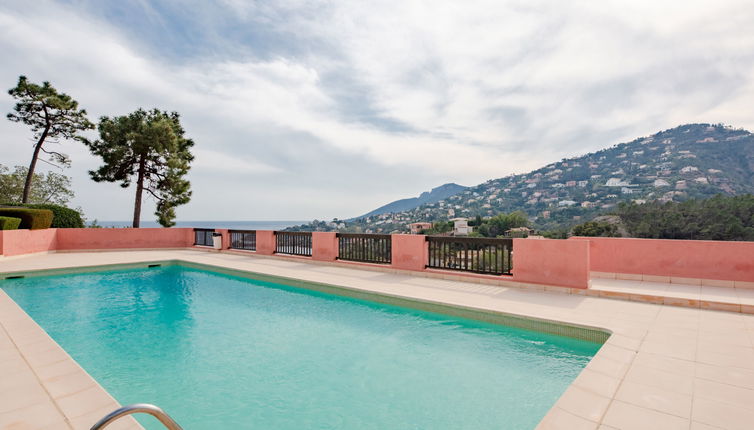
pixel 671 360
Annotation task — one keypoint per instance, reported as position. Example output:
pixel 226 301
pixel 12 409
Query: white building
pixel 461 227
pixel 689 169
pixel 616 182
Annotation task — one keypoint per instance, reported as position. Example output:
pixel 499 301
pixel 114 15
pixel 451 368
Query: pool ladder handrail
pixel 136 408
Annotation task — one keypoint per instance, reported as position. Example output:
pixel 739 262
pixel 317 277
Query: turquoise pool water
pixel 218 351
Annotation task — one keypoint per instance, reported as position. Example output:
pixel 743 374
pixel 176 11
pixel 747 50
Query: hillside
pixel 428 197
pixel 689 161
pixel 717 218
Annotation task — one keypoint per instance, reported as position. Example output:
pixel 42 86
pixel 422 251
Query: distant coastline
pixel 235 225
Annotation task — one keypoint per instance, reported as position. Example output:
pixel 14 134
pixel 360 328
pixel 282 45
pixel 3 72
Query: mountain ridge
pixel 427 197
pixel 687 161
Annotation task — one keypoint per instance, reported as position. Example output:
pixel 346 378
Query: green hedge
pixel 9 223
pixel 63 217
pixel 33 219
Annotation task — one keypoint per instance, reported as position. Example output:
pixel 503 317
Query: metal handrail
pixel 135 409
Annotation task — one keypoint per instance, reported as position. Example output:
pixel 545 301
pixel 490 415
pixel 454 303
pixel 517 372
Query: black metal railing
pixel 471 254
pixel 293 243
pixel 203 236
pixel 367 248
pixel 243 239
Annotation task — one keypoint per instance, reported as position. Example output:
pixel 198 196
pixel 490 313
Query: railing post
pixel 551 262
pixel 225 237
pixel 409 252
pixel 324 246
pixel 265 242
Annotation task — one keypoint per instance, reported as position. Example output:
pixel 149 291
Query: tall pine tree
pixel 150 149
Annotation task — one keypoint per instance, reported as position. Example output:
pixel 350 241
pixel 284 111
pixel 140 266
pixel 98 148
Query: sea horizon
pixel 235 225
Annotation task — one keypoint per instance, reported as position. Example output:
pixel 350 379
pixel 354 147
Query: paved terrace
pixel 664 367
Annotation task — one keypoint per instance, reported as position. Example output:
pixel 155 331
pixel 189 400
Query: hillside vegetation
pixel 717 218
pixel 693 161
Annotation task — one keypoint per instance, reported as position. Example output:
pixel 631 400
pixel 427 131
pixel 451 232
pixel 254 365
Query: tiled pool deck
pixel 664 367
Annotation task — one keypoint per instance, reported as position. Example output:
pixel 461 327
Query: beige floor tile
pixel 726 360
pixel 717 391
pixel 64 385
pixel 626 342
pixel 616 353
pixel 583 403
pixel 682 350
pixel 640 374
pixel 60 368
pixel 86 401
pixel 597 383
pixel 85 422
pixel 611 368
pixel 32 417
pixel 626 416
pixel 695 425
pixel 723 415
pixel 726 375
pixel 655 398
pixel 558 419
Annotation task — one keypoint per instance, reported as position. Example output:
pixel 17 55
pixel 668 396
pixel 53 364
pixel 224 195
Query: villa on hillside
pixel 461 227
pixel 418 227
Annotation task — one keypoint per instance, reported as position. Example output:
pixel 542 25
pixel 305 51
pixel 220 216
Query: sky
pixel 321 109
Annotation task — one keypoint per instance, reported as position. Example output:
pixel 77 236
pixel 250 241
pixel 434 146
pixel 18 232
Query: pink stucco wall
pixel 19 242
pixel 701 259
pixel 551 262
pixel 409 251
pixel 324 246
pixel 541 261
pixel 265 242
pixel 123 238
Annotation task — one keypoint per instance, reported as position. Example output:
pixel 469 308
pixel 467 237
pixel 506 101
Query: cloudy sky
pixel 320 109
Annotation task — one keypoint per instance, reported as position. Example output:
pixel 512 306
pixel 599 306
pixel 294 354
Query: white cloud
pixel 415 93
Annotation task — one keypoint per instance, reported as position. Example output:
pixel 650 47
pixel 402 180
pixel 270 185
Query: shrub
pixel 9 223
pixel 33 219
pixel 63 217
pixel 596 229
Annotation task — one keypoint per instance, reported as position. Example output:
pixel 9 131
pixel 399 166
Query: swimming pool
pixel 221 351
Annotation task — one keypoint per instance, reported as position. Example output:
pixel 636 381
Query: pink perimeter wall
pixel 541 261
pixel 123 238
pixel 19 242
pixel 324 246
pixel 701 259
pixel 409 251
pixel 551 262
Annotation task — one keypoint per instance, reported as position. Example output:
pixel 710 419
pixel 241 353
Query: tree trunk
pixel 33 165
pixel 139 190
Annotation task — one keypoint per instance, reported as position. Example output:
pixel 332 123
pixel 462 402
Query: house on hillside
pixel 461 227
pixel 417 227
pixel 519 232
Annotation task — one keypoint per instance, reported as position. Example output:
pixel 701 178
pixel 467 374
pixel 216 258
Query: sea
pixel 232 225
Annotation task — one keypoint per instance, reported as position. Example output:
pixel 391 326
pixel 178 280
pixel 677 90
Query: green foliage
pixel 596 229
pixel 555 234
pixel 148 148
pixel 439 228
pixel 47 187
pixel 32 219
pixel 499 224
pixel 717 218
pixel 63 217
pixel 9 223
pixel 51 115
